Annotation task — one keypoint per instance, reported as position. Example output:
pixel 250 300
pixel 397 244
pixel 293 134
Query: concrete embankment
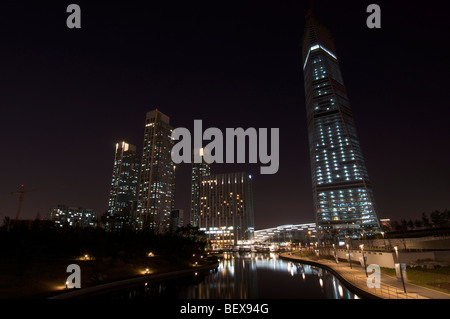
pixel 349 284
pixel 355 279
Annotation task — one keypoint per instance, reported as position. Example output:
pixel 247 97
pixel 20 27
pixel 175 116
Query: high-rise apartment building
pixel 122 197
pixel 67 216
pixel 226 209
pixel 156 192
pixel 176 219
pixel 343 197
pixel 199 170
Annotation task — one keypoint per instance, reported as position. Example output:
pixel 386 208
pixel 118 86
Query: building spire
pixel 309 12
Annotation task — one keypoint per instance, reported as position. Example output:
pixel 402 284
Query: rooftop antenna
pixel 309 12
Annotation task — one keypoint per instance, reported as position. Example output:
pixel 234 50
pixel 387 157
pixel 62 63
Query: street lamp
pixel 384 241
pixel 401 271
pixel 309 233
pixel 364 259
pixel 349 257
pixel 335 253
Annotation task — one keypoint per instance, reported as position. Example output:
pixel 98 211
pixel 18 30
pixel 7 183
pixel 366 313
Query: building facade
pixel 63 215
pixel 176 219
pixel 303 233
pixel 122 197
pixel 156 192
pixel 199 170
pixel 343 197
pixel 226 209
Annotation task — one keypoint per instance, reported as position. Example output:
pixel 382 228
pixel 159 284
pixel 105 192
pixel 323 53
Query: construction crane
pixel 22 192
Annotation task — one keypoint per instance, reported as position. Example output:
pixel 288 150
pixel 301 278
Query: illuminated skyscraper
pixel 157 177
pixel 122 197
pixel 343 197
pixel 226 209
pixel 199 170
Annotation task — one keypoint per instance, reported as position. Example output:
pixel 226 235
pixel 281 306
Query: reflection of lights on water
pixel 222 282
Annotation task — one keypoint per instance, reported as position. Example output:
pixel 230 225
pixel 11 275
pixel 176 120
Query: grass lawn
pixel 438 278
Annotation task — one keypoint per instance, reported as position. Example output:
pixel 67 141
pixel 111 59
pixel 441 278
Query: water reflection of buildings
pixel 247 276
pixel 236 278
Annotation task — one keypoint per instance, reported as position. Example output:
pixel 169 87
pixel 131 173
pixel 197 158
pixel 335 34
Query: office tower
pixel 343 196
pixel 80 217
pixel 157 176
pixel 199 170
pixel 226 209
pixel 122 197
pixel 176 219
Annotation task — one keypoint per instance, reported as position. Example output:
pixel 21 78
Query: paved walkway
pixel 390 287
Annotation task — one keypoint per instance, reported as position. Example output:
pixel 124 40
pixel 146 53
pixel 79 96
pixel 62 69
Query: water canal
pixel 244 276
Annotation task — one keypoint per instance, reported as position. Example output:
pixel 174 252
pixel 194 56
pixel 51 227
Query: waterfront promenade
pixel 390 287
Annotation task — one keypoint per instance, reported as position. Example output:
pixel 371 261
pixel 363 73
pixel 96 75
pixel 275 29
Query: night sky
pixel 67 96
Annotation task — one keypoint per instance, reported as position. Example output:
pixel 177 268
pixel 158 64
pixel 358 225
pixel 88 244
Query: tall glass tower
pixel 199 170
pixel 156 192
pixel 343 197
pixel 122 196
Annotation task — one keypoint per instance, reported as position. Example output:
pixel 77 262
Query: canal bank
pixel 123 284
pixel 355 278
pixel 239 276
pixel 351 285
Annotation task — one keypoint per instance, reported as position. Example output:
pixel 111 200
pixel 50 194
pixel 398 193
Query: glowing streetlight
pixel 400 265
pixel 364 259
pixel 384 241
pixel 349 257
pixel 335 253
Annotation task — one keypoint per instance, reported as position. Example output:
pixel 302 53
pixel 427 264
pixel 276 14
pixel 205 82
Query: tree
pixel 425 220
pixel 6 223
pixel 404 224
pixel 418 223
pixel 436 218
pixel 396 225
pixel 446 218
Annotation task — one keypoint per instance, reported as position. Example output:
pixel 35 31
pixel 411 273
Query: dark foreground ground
pixel 45 279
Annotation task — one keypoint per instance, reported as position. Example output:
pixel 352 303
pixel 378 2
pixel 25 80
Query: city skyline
pixel 70 101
